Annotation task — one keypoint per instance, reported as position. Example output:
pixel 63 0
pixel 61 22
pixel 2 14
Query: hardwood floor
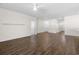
pixel 72 44
pixel 41 44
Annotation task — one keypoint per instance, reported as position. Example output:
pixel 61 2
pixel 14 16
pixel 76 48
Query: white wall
pixel 53 26
pixel 50 25
pixel 14 25
pixel 72 25
pixel 41 25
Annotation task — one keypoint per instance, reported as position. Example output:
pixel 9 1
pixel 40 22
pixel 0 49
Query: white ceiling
pixel 46 10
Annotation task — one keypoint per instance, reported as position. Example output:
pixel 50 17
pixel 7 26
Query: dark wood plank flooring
pixel 41 44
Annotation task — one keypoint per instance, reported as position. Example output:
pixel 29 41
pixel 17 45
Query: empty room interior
pixel 39 28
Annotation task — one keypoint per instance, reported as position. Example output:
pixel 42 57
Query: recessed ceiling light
pixel 35 7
